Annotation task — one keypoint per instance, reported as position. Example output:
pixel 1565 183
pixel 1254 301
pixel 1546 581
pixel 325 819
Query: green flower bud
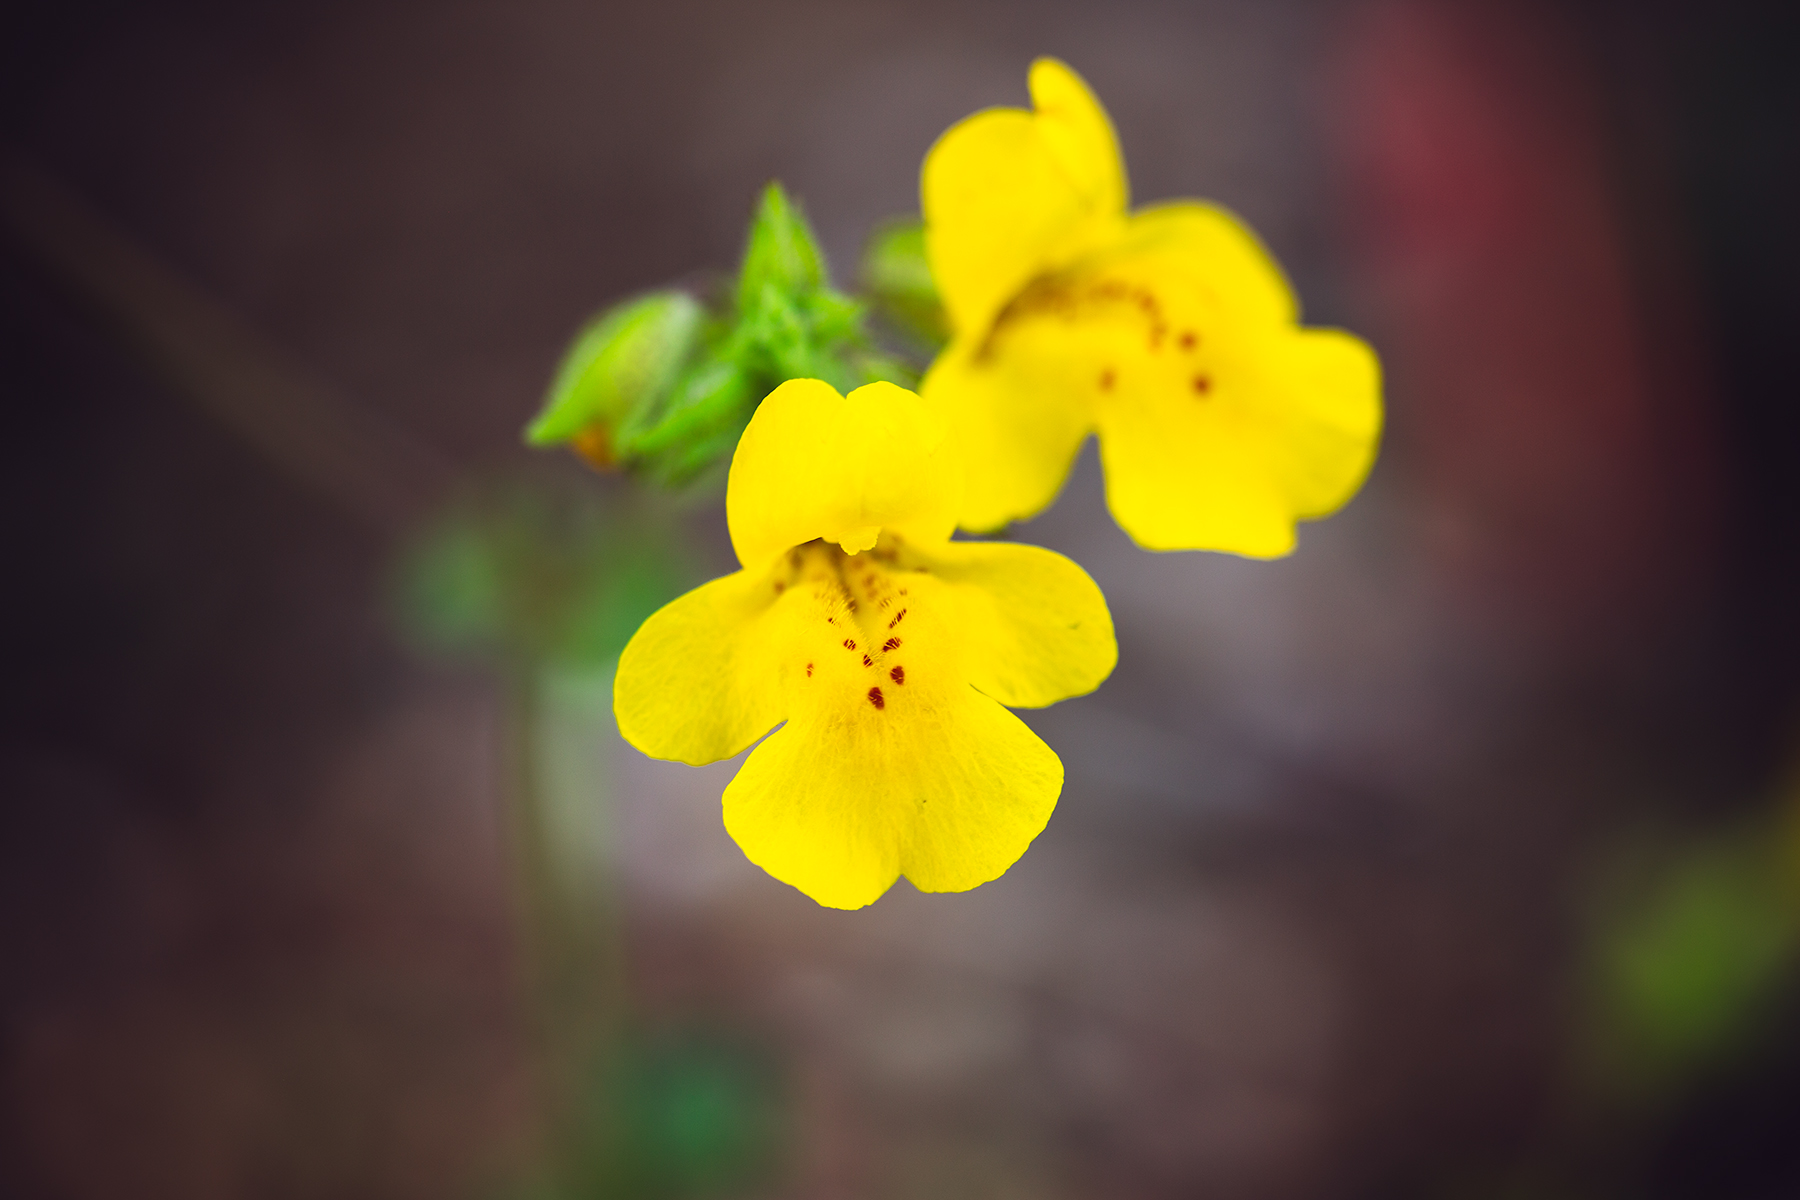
pixel 623 362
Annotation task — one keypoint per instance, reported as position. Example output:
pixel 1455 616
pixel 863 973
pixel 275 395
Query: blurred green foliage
pixel 550 580
pixel 1687 968
pixel 663 386
pixel 677 1115
pixel 693 1114
pixel 897 277
pixel 531 572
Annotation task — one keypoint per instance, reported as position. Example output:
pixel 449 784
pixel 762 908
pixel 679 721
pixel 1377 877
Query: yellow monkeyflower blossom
pixel 887 649
pixel 1168 331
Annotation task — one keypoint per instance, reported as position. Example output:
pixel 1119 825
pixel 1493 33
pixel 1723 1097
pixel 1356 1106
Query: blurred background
pixel 1457 855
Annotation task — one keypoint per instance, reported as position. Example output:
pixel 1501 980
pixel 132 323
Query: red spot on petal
pixel 1107 379
pixel 898 674
pixel 809 670
pixel 896 619
pixel 903 591
pixel 849 645
pixel 890 645
pixel 876 698
pixel 1202 384
pixel 1188 339
pixel 867 661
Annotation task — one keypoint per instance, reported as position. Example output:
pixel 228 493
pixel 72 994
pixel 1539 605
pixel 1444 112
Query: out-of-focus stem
pixel 571 942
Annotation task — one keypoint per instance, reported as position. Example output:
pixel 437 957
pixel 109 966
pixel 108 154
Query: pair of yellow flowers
pixel 891 651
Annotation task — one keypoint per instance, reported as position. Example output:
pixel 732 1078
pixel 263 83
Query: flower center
pixel 857 614
pixel 1133 333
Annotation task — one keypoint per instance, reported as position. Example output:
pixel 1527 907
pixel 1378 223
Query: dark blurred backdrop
pixel 1367 858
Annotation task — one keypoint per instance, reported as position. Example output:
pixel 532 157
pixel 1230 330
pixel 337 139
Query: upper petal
pixel 1205 243
pixel 1018 418
pixel 1008 194
pixel 814 464
pixel 1035 626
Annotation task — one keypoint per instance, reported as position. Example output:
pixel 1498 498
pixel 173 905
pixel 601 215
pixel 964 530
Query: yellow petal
pixel 1009 194
pixel 942 785
pixel 1206 243
pixel 1079 135
pixel 1035 626
pixel 890 761
pixel 1286 431
pixel 698 682
pixel 1225 441
pixel 1221 422
pixel 814 464
pixel 1019 420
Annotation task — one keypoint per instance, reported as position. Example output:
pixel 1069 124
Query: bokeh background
pixel 1457 855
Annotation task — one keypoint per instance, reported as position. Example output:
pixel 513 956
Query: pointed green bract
pixel 782 252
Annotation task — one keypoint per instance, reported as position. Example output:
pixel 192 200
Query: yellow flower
pixel 1169 331
pixel 888 649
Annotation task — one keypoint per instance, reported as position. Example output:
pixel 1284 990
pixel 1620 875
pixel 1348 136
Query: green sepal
pixel 896 272
pixel 624 359
pixel 712 394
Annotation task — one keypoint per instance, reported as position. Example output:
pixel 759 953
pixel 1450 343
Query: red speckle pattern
pixel 876 698
pixel 898 674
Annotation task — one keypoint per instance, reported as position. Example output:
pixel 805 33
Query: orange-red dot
pixel 898 674
pixel 1202 384
pixel 1188 339
pixel 876 698
pixel 890 645
pixel 849 645
pixel 867 661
